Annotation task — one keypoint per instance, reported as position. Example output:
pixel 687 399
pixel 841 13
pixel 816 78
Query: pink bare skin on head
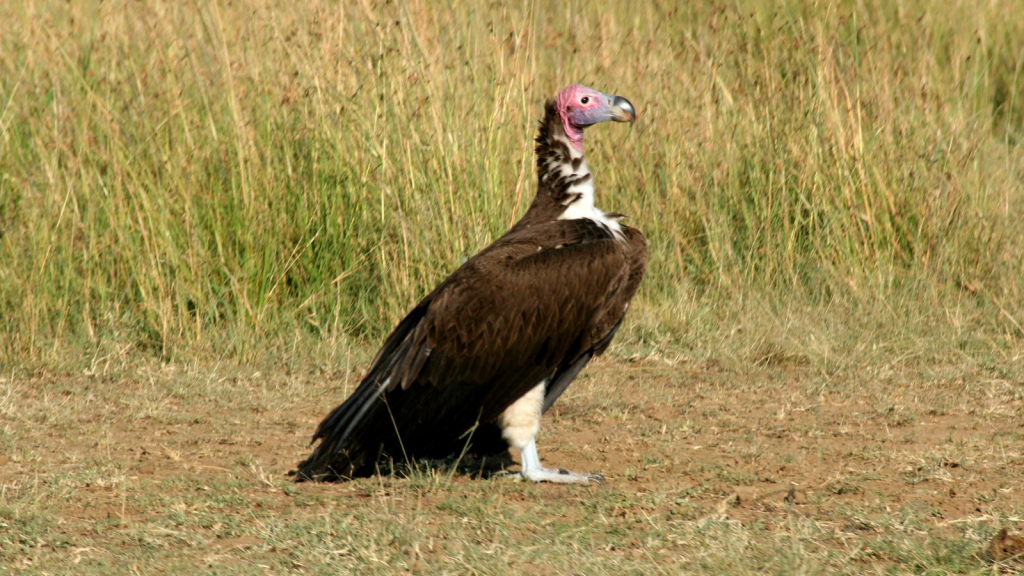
pixel 579 107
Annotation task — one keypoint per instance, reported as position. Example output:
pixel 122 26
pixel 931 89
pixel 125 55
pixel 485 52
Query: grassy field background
pixel 214 211
pixel 831 183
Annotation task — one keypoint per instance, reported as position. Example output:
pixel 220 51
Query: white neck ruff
pixel 582 193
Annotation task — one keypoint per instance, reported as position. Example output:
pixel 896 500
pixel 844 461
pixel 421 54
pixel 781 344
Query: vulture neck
pixel 566 188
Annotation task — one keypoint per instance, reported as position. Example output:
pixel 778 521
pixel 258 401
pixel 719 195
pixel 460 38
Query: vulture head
pixel 579 107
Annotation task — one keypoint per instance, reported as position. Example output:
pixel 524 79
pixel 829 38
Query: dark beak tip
pixel 626 112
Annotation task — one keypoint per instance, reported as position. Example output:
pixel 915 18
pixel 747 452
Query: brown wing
pixel 513 315
pixel 604 329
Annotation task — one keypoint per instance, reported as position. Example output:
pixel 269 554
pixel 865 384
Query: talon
pixel 532 470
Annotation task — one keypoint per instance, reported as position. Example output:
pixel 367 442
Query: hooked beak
pixel 622 110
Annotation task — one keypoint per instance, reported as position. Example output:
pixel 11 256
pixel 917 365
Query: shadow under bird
pixel 495 344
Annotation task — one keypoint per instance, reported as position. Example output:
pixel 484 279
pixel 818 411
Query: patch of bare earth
pixel 174 465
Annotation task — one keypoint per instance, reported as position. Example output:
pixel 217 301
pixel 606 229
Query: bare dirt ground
pixel 782 469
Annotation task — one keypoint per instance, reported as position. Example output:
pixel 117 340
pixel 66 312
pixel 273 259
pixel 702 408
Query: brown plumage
pixel 532 307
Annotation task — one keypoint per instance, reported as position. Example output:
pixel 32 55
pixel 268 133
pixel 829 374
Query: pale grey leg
pixel 533 470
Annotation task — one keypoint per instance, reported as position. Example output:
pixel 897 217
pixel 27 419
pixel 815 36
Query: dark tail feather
pixel 336 431
pixel 347 432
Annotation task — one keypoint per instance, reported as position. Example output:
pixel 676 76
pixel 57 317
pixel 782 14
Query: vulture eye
pixel 585 99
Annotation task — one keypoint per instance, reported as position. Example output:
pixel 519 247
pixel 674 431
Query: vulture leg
pixel 520 423
pixel 534 471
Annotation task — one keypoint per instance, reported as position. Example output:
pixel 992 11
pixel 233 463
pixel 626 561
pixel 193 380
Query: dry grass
pixel 181 469
pixel 205 180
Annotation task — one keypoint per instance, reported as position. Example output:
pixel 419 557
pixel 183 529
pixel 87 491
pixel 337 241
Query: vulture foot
pixel 562 476
pixel 555 475
pixel 532 470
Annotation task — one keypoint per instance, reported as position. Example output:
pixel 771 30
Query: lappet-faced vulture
pixel 496 343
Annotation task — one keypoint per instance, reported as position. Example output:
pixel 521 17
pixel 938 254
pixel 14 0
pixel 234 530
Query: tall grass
pixel 205 178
